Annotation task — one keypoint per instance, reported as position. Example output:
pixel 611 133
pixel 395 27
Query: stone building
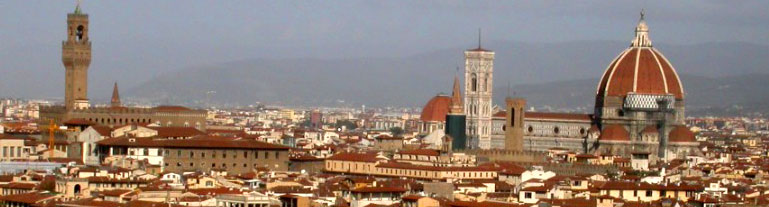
pixel 201 153
pixel 479 73
pixel 76 57
pixel 639 109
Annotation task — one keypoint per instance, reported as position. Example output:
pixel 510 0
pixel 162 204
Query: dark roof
pixel 201 141
pixel 171 108
pixel 379 190
pixel 558 116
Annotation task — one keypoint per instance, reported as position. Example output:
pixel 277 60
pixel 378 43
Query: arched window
pixel 474 82
pixel 80 32
pixel 512 117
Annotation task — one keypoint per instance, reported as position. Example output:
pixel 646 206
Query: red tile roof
pixel 681 134
pixel 16 185
pixel 613 132
pixel 27 198
pixel 436 109
pixel 356 157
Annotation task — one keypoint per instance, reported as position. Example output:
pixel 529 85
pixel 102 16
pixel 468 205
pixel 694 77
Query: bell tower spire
pixel 457 106
pixel 115 97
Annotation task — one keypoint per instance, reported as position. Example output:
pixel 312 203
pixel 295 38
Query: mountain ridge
pixel 412 80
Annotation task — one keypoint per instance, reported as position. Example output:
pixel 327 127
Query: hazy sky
pixel 135 40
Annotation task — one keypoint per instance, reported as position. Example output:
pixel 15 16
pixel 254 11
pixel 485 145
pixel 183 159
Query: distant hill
pixel 411 81
pixel 729 95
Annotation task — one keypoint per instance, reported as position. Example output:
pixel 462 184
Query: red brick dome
pixel 436 109
pixel 640 69
pixel 613 132
pixel 681 134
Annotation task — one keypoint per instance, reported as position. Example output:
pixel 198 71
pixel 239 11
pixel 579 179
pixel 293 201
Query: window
pixel 556 130
pixel 277 154
pixel 527 195
pixel 178 153
pixel 474 82
pixel 203 155
pixel 256 155
pixel 192 154
pixel 512 117
pixel 224 154
pixel 245 154
pixel 192 164
pixel 648 193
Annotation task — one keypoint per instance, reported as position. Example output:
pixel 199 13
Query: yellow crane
pixel 52 127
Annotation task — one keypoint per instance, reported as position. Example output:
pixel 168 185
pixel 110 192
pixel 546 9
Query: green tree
pixel 346 123
pixel 397 131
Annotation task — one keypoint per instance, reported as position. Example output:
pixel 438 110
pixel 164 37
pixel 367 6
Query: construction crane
pixel 51 141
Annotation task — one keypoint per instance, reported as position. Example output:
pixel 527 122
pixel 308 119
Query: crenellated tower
pixel 76 57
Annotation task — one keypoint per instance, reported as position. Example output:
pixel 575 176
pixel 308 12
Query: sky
pixel 136 40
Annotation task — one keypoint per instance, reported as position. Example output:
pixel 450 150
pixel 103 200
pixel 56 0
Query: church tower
pixel 456 119
pixel 479 70
pixel 76 56
pixel 115 101
pixel 514 123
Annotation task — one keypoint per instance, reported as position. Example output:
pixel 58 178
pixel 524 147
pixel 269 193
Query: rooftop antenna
pixel 77 7
pixel 479 38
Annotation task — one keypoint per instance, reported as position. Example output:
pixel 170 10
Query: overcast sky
pixel 135 40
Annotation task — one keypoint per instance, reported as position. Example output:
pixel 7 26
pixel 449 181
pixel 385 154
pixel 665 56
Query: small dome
pixel 613 132
pixel 681 134
pixel 436 109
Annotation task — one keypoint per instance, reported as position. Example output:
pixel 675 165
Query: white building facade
pixel 479 73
